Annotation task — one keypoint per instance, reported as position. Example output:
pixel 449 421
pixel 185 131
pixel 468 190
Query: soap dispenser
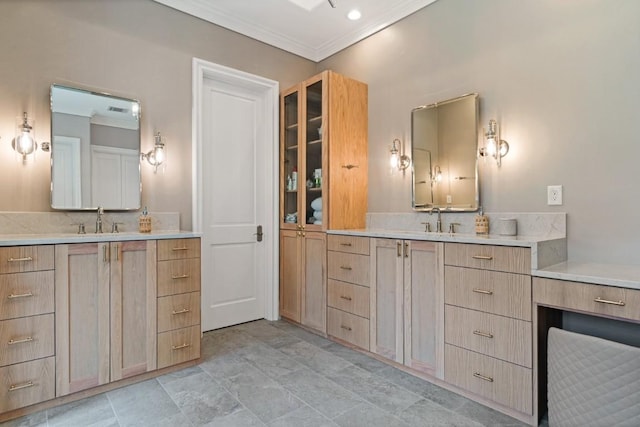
pixel 145 222
pixel 482 223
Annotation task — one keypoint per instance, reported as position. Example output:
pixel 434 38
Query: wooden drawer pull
pixel 482 291
pixel 13 296
pixel 606 301
pixel 179 347
pixel 345 298
pixel 184 310
pixel 482 377
pixel 349 167
pixel 345 244
pixel 483 334
pixel 182 276
pixel 180 249
pixel 484 257
pixel 23 340
pixel 28 258
pixel 346 328
pixel 16 387
pixel 345 267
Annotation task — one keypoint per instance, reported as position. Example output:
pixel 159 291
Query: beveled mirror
pixel 95 150
pixel 444 138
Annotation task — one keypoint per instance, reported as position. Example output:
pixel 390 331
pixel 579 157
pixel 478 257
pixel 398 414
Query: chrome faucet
pixel 99 219
pixel 438 221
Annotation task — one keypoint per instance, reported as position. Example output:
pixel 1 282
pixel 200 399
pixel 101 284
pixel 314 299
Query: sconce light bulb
pixel 393 161
pixel 158 154
pixel 491 147
pixel 25 143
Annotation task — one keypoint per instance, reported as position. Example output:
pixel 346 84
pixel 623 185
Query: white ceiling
pixel 309 28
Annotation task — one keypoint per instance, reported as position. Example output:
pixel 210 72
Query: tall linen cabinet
pixel 323 185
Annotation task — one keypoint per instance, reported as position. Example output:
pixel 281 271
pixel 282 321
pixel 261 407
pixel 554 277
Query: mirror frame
pixel 139 137
pixel 446 208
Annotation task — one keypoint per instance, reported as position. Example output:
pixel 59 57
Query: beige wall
pixel 563 80
pixel 133 48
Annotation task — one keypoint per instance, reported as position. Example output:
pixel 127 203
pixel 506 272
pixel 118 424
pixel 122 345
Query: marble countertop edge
pixel 54 238
pixel 624 276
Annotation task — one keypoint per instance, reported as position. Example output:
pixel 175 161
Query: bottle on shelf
pixel 294 178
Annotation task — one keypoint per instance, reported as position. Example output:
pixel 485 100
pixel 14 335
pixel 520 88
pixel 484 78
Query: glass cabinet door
pixel 289 175
pixel 313 137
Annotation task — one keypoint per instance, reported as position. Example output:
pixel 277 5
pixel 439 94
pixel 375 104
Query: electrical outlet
pixel 449 198
pixel 554 195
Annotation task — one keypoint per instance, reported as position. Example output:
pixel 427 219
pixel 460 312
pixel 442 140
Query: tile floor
pixel 275 374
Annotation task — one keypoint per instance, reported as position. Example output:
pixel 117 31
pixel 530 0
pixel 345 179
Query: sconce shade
pixel 157 156
pixel 494 146
pixel 24 143
pixel 398 160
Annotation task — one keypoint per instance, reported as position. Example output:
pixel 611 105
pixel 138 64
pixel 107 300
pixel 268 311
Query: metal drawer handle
pixel 345 267
pixel 13 296
pixel 482 291
pixel 345 244
pixel 483 334
pixel 20 259
pixel 344 297
pixel 15 387
pixel 179 347
pixel 346 328
pixel 485 257
pixel 180 249
pixel 482 377
pixel 182 276
pixel 23 340
pixel 606 301
pixel 184 310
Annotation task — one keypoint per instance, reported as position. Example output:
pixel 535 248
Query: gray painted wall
pixel 563 80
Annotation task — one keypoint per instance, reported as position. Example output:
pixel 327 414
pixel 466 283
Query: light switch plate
pixel 554 195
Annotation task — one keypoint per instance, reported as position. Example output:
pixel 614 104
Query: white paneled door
pixel 237 200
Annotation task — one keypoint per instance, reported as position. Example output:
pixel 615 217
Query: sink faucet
pixel 99 219
pixel 439 220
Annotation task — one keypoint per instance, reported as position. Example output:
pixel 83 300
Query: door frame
pixel 269 89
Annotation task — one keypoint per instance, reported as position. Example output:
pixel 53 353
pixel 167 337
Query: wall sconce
pixel 25 141
pixel 158 155
pixel 398 160
pixel 436 177
pixel 494 146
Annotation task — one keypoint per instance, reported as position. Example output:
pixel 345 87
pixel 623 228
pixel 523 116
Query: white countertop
pixel 625 276
pixel 51 239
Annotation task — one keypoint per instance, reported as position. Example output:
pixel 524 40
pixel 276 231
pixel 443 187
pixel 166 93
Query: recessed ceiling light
pixel 354 15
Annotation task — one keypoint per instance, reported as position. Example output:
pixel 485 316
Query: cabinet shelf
pixel 314 189
pixel 314 142
pixel 292 147
pixel 292 127
pixel 315 119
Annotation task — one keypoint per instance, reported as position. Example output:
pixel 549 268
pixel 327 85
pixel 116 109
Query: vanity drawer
pixel 497 336
pixel 178 346
pixel 506 294
pixel 26 338
pixel 178 248
pixel 488 257
pixel 352 268
pixel 607 301
pixel 27 383
pixel 16 259
pixel 178 311
pixel 493 379
pixel 178 276
pixel 348 327
pixel 26 294
pixel 350 244
pixel 347 297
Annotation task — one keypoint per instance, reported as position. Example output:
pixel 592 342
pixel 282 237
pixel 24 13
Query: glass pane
pixel 290 158
pixel 313 178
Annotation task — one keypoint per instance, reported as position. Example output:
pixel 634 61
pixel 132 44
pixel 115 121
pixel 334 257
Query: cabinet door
pixel 82 316
pixel 290 149
pixel 290 280
pixel 423 307
pixel 386 298
pixel 314 288
pixel 133 308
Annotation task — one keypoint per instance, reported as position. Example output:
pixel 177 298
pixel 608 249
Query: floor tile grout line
pixel 175 403
pixel 113 408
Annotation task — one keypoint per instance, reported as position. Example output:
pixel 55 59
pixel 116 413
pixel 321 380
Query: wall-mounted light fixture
pixel 436 177
pixel 494 146
pixel 158 155
pixel 25 141
pixel 398 160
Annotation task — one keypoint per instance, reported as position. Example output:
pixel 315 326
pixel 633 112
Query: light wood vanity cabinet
pixel 488 330
pixel 348 289
pixel 105 313
pixel 178 301
pixel 323 128
pixel 407 303
pixel 27 362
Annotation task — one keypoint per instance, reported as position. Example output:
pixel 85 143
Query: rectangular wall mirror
pixel 444 153
pixel 95 150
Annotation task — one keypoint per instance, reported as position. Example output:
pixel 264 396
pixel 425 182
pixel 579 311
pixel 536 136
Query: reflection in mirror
pixel 95 150
pixel 444 139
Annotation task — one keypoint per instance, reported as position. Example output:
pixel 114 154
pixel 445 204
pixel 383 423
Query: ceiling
pixel 308 28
